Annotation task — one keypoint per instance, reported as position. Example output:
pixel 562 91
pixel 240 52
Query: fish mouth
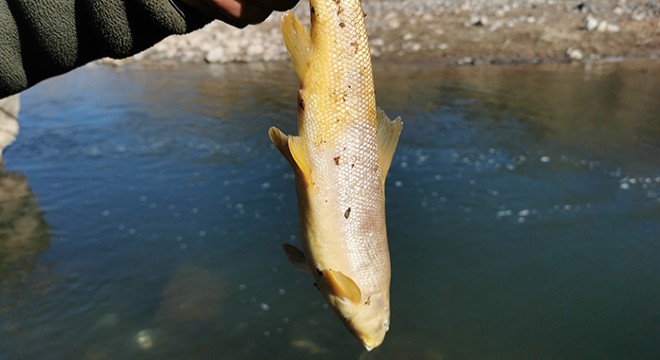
pixel 369 339
pixel 369 344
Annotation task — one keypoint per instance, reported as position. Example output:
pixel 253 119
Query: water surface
pixel 142 212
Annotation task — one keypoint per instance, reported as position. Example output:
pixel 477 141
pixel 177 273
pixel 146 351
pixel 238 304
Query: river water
pixel 142 212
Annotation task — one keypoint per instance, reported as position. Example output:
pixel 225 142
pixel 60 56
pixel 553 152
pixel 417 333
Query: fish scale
pixel 341 156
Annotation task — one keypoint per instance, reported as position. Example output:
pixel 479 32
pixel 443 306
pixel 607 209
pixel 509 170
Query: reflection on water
pixel 523 213
pixel 23 230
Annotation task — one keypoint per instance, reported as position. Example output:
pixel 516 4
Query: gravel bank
pixel 450 31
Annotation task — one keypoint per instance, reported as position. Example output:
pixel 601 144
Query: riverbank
pixel 449 31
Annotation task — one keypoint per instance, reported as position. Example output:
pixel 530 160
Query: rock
pixel 377 42
pixel 478 20
pixel 591 23
pixel 412 47
pixel 394 24
pixel 604 26
pixel 612 28
pixel 638 16
pixel 466 61
pixel 575 54
pixel 431 25
pixel 216 55
pixel 582 6
pixel 255 50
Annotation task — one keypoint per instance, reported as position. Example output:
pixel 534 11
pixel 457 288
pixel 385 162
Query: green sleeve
pixel 44 38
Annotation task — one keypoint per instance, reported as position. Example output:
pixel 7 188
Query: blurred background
pixel 142 206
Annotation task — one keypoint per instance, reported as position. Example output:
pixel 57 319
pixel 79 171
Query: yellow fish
pixel 341 156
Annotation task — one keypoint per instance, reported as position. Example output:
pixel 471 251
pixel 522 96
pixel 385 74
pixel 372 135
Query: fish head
pixel 368 321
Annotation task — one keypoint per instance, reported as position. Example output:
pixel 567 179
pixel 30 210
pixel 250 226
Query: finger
pixel 279 5
pixel 237 23
pixel 254 14
pixel 242 11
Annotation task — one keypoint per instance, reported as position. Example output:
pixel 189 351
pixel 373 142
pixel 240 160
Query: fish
pixel 340 157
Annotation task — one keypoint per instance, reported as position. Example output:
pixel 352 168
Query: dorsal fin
pixel 388 138
pixel 294 150
pixel 342 286
pixel 298 42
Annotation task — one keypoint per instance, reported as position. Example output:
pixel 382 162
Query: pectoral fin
pixel 296 257
pixel 342 286
pixel 298 42
pixel 388 138
pixel 293 148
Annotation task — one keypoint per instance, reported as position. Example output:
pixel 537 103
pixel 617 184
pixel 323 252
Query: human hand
pixel 239 13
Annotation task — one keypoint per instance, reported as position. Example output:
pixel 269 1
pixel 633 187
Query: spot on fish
pixel 339 10
pixel 364 14
pixel 336 159
pixel 319 272
pixel 368 302
pixel 352 166
pixel 301 103
pixel 347 213
pixel 355 45
pixel 341 24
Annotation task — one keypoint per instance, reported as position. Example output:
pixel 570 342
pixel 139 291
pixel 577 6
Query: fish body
pixel 341 156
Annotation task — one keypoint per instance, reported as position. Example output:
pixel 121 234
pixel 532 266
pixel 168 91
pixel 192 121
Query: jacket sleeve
pixel 43 38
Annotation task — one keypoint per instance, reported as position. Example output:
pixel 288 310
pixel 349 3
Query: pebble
pixel 394 24
pixel 466 61
pixel 215 55
pixel 575 54
pixel 478 21
pixel 591 23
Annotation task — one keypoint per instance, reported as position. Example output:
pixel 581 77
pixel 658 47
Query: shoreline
pixel 448 32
